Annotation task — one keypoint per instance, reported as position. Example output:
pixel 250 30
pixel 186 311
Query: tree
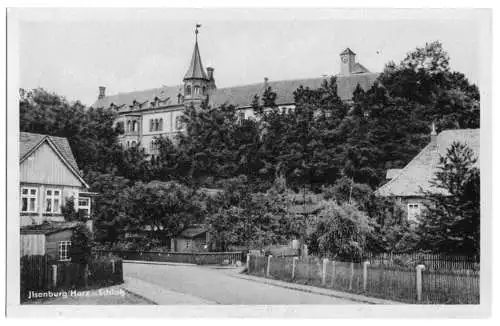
pixel 110 213
pixel 90 132
pixel 81 245
pixel 341 232
pixel 452 222
pixel 163 208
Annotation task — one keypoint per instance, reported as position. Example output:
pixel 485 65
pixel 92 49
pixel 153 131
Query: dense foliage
pixel 321 146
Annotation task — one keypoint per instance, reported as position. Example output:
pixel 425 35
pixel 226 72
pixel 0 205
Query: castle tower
pixel 197 83
pixel 347 62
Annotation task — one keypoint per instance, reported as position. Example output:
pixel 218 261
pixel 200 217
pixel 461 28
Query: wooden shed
pixel 52 239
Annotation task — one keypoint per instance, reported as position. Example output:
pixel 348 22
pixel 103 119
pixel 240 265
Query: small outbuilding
pixel 192 239
pixel 52 239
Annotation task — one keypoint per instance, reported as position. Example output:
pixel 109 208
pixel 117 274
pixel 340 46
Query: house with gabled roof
pixel 410 183
pixel 49 177
pixel 147 114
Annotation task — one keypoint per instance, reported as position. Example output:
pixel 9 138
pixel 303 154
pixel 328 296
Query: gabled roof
pixel 29 142
pixel 347 51
pixel 416 176
pixel 195 69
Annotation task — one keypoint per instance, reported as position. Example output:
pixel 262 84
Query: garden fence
pixel 39 274
pixel 199 258
pixel 412 284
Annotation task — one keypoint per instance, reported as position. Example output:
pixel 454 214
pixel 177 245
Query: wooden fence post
pixel 365 274
pixel 113 266
pixel 351 276
pixel 294 264
pixel 419 270
pixel 54 276
pixel 268 264
pixel 323 275
pixel 333 273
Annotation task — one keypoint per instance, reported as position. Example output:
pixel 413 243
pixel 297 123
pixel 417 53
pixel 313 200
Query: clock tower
pixel 347 62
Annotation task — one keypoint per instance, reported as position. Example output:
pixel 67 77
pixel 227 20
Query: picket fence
pixel 198 258
pixel 399 283
pixel 39 274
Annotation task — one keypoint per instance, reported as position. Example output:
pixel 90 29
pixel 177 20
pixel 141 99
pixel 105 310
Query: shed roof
pixel 192 232
pixel 48 228
pixel 415 177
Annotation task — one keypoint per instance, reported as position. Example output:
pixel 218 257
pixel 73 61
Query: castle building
pixel 155 112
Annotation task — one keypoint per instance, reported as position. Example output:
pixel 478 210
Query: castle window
pixel 197 90
pixel 150 124
pixel 188 90
pixel 178 123
pixel 161 124
pixel 129 124
pixel 134 125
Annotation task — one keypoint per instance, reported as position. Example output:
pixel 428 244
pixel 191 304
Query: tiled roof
pixel 48 228
pixel 193 232
pixel 242 96
pixel 359 69
pixel 28 140
pixel 416 176
pixel 391 173
pixel 195 69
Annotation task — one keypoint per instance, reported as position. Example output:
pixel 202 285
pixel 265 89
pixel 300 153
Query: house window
pixel 64 250
pixel 188 90
pixel 134 125
pixel 161 125
pixel 189 243
pixel 134 143
pixel 178 123
pixel 84 206
pixel 413 212
pixel 28 200
pixel 196 90
pixel 150 124
pixel 52 201
pixel 129 123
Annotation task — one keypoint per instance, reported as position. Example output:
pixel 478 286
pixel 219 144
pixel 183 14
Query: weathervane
pixel 196 31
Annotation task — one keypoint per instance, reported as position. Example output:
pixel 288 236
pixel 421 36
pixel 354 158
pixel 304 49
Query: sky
pixel 73 51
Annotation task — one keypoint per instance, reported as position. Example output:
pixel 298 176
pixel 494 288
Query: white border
pixel 260 311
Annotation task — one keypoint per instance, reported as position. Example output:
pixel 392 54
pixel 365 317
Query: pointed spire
pixel 196 69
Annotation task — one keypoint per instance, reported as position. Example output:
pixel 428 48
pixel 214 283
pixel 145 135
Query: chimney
pixel 210 72
pixel 102 92
pixel 433 133
pixel 266 83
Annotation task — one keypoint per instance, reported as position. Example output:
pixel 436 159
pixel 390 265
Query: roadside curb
pixel 149 262
pixel 139 296
pixel 315 290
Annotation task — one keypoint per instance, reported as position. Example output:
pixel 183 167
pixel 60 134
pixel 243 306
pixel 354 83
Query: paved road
pixel 217 286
